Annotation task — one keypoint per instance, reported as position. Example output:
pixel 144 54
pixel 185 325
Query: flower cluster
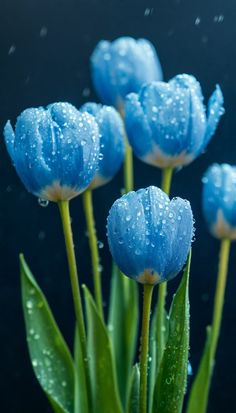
pixel 60 152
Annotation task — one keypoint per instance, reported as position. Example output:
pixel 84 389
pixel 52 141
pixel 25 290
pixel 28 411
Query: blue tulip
pixel 112 144
pixel 219 200
pixel 167 124
pixel 122 67
pixel 150 236
pixel 54 150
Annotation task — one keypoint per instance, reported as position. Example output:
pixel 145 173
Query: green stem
pixel 66 224
pixel 148 289
pixel 88 210
pixel 165 186
pixel 128 167
pixel 166 180
pixel 128 162
pixel 219 296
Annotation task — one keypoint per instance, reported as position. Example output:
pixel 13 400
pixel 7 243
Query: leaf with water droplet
pixel 50 356
pixel 171 379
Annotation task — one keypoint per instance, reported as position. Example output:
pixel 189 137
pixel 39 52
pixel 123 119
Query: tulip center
pixel 149 276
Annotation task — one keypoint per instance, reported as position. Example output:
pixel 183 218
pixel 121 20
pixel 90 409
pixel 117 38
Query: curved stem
pixel 219 295
pixel 165 186
pixel 88 210
pixel 66 224
pixel 148 289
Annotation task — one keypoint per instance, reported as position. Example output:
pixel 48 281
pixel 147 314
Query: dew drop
pixel 29 304
pixel 43 202
pixel 100 244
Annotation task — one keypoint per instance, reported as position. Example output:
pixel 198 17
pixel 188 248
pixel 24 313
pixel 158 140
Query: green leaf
pixel 81 401
pixel 172 376
pixel 133 396
pixel 123 322
pixel 153 352
pixel 153 359
pixel 102 371
pixel 50 356
pixel 198 397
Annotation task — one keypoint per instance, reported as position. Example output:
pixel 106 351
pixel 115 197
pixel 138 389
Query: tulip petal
pixel 215 111
pixel 137 126
pixel 112 145
pixel 126 234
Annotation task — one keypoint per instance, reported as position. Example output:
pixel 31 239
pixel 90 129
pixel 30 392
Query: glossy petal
pixel 196 115
pixel 145 229
pixel 166 122
pixel 112 145
pixel 215 111
pixel 122 66
pixel 219 200
pixel 54 150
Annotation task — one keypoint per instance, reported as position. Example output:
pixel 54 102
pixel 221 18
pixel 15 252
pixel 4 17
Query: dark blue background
pixel 45 47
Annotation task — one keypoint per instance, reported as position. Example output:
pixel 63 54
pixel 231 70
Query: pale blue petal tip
pixel 215 111
pixel 145 230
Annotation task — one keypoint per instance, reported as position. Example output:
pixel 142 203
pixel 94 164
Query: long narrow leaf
pixel 123 326
pixel 134 390
pixel 172 376
pixel 50 356
pixel 81 401
pixel 103 377
pixel 198 397
pixel 153 350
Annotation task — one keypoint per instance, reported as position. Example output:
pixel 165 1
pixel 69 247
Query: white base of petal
pixel 56 192
pixel 98 181
pixel 222 229
pixel 149 277
pixel 158 158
